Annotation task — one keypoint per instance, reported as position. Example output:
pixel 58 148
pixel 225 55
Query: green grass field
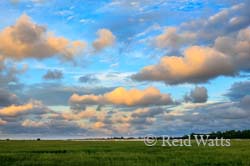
pixel 121 153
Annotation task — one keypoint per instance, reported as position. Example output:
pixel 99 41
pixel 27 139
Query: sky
pixel 85 68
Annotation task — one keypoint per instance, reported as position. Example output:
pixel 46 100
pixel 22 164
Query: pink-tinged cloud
pixel 197 65
pixel 121 96
pixel 15 110
pixel 105 39
pixel 227 57
pixel 27 39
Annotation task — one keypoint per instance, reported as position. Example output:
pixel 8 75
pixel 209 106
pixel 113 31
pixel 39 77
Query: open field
pixel 120 153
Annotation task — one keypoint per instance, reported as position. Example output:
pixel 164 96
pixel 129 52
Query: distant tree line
pixel 231 134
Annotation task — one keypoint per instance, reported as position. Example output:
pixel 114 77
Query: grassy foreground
pixel 122 153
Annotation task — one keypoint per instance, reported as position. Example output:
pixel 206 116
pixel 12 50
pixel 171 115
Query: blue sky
pixel 85 68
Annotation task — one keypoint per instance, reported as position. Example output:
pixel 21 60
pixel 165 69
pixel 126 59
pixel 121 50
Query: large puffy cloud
pixel 198 64
pixel 105 38
pixel 151 95
pixel 227 57
pixel 26 39
pixel 197 95
pixel 121 96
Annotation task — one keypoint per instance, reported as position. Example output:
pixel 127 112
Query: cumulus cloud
pixel 105 39
pixel 197 95
pixel 227 57
pixel 228 35
pixel 121 96
pixel 27 39
pixel 53 75
pixel 199 64
pixel 14 110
